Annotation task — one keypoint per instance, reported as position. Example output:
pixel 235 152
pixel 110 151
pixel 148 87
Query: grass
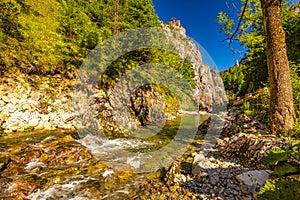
pixel 28 129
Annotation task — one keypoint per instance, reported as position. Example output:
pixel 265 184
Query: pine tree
pixel 281 113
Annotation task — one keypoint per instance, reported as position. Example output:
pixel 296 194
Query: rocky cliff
pixel 29 103
pixel 209 92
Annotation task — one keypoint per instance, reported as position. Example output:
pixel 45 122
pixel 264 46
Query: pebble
pixel 226 179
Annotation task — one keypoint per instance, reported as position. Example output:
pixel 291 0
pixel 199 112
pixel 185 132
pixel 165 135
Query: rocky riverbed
pixel 52 165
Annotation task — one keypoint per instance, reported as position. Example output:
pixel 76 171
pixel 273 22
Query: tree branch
pixel 239 24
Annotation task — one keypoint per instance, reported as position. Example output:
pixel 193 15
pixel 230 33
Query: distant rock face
pixel 209 92
pixel 219 95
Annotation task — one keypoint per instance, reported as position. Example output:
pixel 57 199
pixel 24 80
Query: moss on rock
pixel 288 188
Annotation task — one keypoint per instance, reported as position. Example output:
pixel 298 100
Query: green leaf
pixel 272 157
pixel 284 169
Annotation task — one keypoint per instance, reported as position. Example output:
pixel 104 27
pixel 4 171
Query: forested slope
pixel 54 36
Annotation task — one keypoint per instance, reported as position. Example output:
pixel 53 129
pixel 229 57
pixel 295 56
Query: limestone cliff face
pixel 122 110
pixel 209 92
pixel 29 102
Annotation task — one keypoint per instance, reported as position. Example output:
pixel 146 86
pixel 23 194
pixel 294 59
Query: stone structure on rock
pixel 174 25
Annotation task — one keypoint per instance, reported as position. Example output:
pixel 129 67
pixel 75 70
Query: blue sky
pixel 199 18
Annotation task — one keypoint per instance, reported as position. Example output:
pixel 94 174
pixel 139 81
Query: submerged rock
pixel 31 165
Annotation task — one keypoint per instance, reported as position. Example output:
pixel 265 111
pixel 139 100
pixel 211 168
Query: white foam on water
pixel 134 161
pixel 186 112
pixel 34 163
pixel 47 139
pixel 114 149
pixel 123 191
pixel 107 172
pixel 63 191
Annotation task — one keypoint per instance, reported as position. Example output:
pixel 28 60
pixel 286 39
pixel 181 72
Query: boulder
pixel 254 180
pixel 249 148
pixel 203 168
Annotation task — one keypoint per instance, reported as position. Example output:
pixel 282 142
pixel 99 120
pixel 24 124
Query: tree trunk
pixel 281 113
pixel 116 17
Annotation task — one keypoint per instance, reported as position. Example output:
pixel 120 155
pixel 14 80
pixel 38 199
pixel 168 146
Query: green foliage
pixel 291 25
pixel 247 108
pixel 280 189
pixel 80 33
pixel 296 130
pixel 253 72
pixel 283 169
pixel 9 24
pixel 139 57
pixel 141 14
pixel 225 23
pixel 234 81
pixel 285 183
pixel 282 161
pixel 54 36
pixel 28 129
pixel 295 71
pixel 1 131
pixel 272 157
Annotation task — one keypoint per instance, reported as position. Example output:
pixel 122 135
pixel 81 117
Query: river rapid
pixel 61 165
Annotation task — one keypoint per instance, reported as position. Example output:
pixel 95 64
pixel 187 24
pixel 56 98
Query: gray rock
pixel 202 169
pixel 253 181
pixel 248 148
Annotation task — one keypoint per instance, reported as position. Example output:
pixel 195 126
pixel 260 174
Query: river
pixel 61 165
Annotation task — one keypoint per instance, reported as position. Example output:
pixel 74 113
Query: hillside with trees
pixel 50 37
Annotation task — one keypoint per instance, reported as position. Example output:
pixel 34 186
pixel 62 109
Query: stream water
pixel 53 165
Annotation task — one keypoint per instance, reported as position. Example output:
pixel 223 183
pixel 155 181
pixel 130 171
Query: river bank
pixel 43 157
pixel 54 165
pixel 33 102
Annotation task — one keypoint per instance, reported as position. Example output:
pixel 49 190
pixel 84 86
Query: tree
pixel 281 113
pixel 260 29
